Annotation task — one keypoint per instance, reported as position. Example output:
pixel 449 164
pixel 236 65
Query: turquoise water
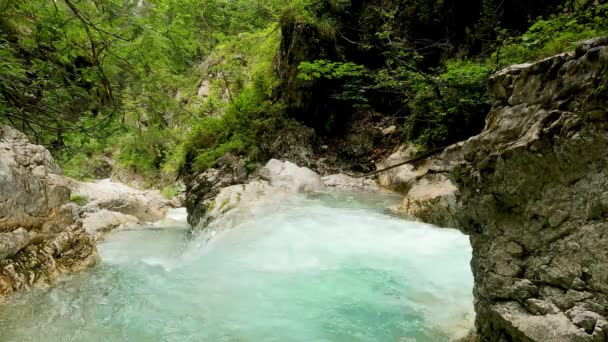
pixel 325 268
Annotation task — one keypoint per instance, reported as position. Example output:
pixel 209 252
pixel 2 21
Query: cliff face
pixel 39 238
pixel 533 196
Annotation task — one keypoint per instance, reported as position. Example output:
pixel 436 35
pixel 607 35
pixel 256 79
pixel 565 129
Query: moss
pixel 211 206
pixel 79 199
pixel 224 203
pixel 169 192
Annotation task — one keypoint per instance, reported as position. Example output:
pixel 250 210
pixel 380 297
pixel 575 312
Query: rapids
pixel 291 268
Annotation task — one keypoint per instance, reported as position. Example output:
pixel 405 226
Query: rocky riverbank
pixel 530 191
pixel 43 234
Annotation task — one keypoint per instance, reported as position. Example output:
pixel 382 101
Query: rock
pixel 30 183
pixel 38 238
pixel 346 183
pixel 98 223
pixel 288 175
pixel 389 130
pixel 237 195
pixel 433 199
pixel 11 243
pixel 584 319
pixel 399 179
pixel 539 306
pixel 536 176
pixel 202 188
pixel 147 206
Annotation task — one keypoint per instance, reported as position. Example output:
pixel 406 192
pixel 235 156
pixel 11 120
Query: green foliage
pixel 145 152
pixel 555 34
pixel 450 107
pixel 170 192
pixel 79 199
pixel 330 70
pixel 240 130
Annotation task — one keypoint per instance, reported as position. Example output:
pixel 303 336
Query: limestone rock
pixel 39 239
pixel 289 176
pixel 347 183
pixel 100 222
pixel 433 199
pixel 532 197
pixel 30 182
pixel 399 179
pixel 11 243
pixel 146 205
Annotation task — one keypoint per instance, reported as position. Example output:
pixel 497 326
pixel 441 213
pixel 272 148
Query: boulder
pixel 30 183
pixel 100 222
pixel 531 196
pixel 402 178
pixel 289 176
pixel 39 238
pixel 145 205
pixel 432 199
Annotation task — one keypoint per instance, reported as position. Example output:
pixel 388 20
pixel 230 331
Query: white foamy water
pixel 322 268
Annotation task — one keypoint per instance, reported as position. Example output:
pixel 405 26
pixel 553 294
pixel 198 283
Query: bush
pixel 553 35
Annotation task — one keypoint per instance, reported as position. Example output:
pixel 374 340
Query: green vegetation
pixel 163 86
pixel 79 199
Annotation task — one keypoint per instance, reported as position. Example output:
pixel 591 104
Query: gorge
pixel 231 171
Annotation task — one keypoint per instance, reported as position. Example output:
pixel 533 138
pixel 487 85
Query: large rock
pixel 30 183
pixel 533 197
pixel 289 176
pixel 432 199
pixel 202 188
pixel 342 182
pixel 402 178
pixel 145 205
pixel 39 238
pixel 275 177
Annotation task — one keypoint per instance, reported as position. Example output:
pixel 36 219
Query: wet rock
pixel 101 222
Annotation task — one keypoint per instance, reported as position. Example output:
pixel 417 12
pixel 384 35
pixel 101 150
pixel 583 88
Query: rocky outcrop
pixel 39 238
pixel 31 187
pixel 276 177
pixel 532 195
pixel 145 205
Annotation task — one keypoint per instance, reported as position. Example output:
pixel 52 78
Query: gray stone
pixel 539 162
pixel 389 130
pixel 39 239
pixel 287 175
pixel 346 183
pixel 539 306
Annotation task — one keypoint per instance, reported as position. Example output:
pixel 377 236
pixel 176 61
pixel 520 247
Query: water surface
pixel 291 268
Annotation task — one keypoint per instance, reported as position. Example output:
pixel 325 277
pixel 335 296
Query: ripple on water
pixel 303 269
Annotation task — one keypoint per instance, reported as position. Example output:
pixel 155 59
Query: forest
pixel 165 88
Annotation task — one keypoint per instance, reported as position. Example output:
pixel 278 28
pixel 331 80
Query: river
pixel 332 267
